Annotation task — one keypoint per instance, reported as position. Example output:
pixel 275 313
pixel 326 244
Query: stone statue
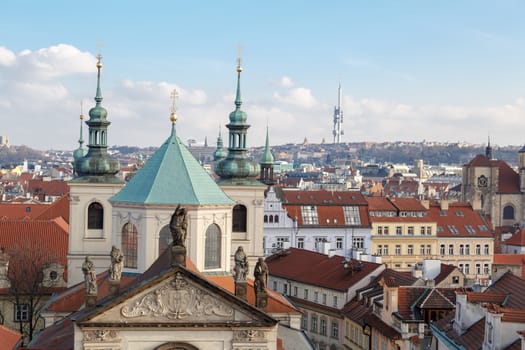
pixel 241 265
pixel 90 276
pixel 178 226
pixel 117 261
pixel 261 275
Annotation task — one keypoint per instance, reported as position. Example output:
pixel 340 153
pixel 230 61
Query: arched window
pixel 276 219
pixel 165 238
pixel 239 218
pixel 176 346
pixel 265 218
pixel 508 212
pixel 129 245
pixel 212 247
pixel 95 216
pixel 271 219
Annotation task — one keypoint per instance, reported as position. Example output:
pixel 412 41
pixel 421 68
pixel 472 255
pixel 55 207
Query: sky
pixel 443 70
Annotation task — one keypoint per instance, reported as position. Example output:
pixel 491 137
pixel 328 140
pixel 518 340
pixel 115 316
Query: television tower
pixel 338 118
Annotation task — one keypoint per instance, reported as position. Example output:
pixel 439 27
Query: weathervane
pixel 99 55
pixel 239 54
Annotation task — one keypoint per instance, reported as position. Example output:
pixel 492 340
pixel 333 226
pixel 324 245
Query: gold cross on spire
pixel 174 95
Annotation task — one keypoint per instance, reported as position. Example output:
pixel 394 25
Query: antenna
pixel 338 117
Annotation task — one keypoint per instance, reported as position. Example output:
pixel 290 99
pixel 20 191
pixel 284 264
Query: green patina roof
pixel 172 176
pixel 267 157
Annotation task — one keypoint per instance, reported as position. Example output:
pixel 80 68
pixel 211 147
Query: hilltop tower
pixel 90 228
pixel 338 117
pixel 266 163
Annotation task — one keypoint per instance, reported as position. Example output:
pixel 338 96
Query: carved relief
pixel 177 300
pixel 101 335
pixel 249 335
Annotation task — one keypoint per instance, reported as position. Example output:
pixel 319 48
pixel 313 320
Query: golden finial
pixel 239 54
pixel 81 110
pixel 173 114
pixel 99 56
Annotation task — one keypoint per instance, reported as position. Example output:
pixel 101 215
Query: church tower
pixel 90 228
pixel 220 153
pixel 266 163
pixel 237 178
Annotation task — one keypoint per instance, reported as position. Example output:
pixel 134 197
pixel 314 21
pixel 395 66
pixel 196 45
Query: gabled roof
pixel 21 210
pixel 408 204
pixel 508 179
pixel 323 197
pixel 466 221
pixel 437 299
pixel 49 188
pixel 517 239
pixel 511 285
pixel 59 208
pixel 172 176
pixel 444 272
pixel 471 339
pixel 411 297
pixel 318 269
pixel 380 204
pixel 9 338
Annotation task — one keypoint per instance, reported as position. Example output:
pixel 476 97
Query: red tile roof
pixel 20 210
pixel 9 338
pixel 323 197
pixel 513 286
pixel 408 204
pixel 327 215
pixel 460 215
pixel 50 188
pixel 319 269
pixel 380 204
pixel 517 239
pixel 471 339
pixel 508 179
pixel 511 259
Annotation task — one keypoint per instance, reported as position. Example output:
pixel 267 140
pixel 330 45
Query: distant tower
pixel 338 118
pixel 266 163
pixel 488 150
pixel 220 153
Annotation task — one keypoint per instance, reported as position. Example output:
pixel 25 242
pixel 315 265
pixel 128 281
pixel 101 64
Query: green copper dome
pixel 97 165
pixel 220 152
pixel 237 167
pixel 267 157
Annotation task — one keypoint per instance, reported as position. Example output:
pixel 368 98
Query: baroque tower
pixel 90 228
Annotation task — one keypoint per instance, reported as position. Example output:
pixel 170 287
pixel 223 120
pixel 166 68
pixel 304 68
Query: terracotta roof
pixel 508 179
pixel 20 210
pixel 50 188
pixel 444 272
pixel 517 239
pixel 466 221
pixel 319 269
pixel 379 204
pixel 327 215
pixel 509 315
pixel 485 297
pixel 481 160
pixel 438 299
pixel 323 197
pixel 408 204
pixel 511 259
pixel 60 207
pixel 356 312
pixel 471 339
pixel 382 327
pixel 409 297
pixel 59 336
pixel 10 338
pixel 513 286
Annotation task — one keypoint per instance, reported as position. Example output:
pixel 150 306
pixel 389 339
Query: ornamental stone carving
pixel 101 335
pixel 249 335
pixel 178 300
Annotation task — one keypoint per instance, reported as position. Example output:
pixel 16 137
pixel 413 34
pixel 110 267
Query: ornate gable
pixel 178 298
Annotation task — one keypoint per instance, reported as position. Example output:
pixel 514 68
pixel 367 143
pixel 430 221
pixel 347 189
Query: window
pixel 428 250
pixel 319 242
pixel 440 229
pixel 304 319
pixel 442 249
pixel 352 215
pixel 450 249
pixel 467 269
pixel 313 324
pixel 398 249
pixel 399 230
pixel 478 269
pixel 486 269
pixel 309 213
pixel 324 299
pixel 461 249
pixel 379 250
pixel 379 230
pixel 486 249
pixel 467 249
pixel 483 228
pixel 461 268
pixel 410 249
pixel 212 247
pixel 270 219
pixel 385 249
pixel 459 213
pixel 478 249
pixel 285 288
pixel 422 249
pixel 300 242
pixel 422 230
pixel 21 312
pixel 129 245
pixel 470 229
pixel 275 285
pixel 165 238
pixel 508 212
pixel 295 290
pixel 358 242
pixel 276 219
pixel 339 242
pixel 239 218
pixel 455 279
pixel 316 297
pixel 281 242
pixel 429 230
pixel 335 329
pixel 306 294
pixel 411 230
pixel 385 230
pixel 453 229
pixel 322 326
pixel 95 216
pixel 442 213
pixel 335 301
pixel 265 219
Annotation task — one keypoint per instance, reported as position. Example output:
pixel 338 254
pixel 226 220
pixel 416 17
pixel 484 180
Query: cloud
pixel 7 57
pixel 300 97
pixel 285 82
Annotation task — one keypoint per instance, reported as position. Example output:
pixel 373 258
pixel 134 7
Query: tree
pixel 34 274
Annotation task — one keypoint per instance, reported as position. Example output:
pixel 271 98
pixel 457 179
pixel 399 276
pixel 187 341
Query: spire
pixel 488 150
pixel 173 114
pixel 220 153
pixel 97 163
pixel 267 157
pixel 236 166
pixel 267 160
pixel 80 152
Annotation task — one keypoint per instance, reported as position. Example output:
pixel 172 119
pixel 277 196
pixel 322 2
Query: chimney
pixel 425 203
pixel 444 204
pixel 476 204
pixel 90 277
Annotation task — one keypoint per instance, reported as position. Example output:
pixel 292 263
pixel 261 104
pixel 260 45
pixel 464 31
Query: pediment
pixel 181 298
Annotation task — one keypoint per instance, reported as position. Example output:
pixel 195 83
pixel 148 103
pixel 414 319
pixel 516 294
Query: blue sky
pixel 410 70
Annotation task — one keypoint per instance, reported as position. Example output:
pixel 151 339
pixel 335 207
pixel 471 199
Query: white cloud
pixel 285 82
pixel 300 97
pixel 7 57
